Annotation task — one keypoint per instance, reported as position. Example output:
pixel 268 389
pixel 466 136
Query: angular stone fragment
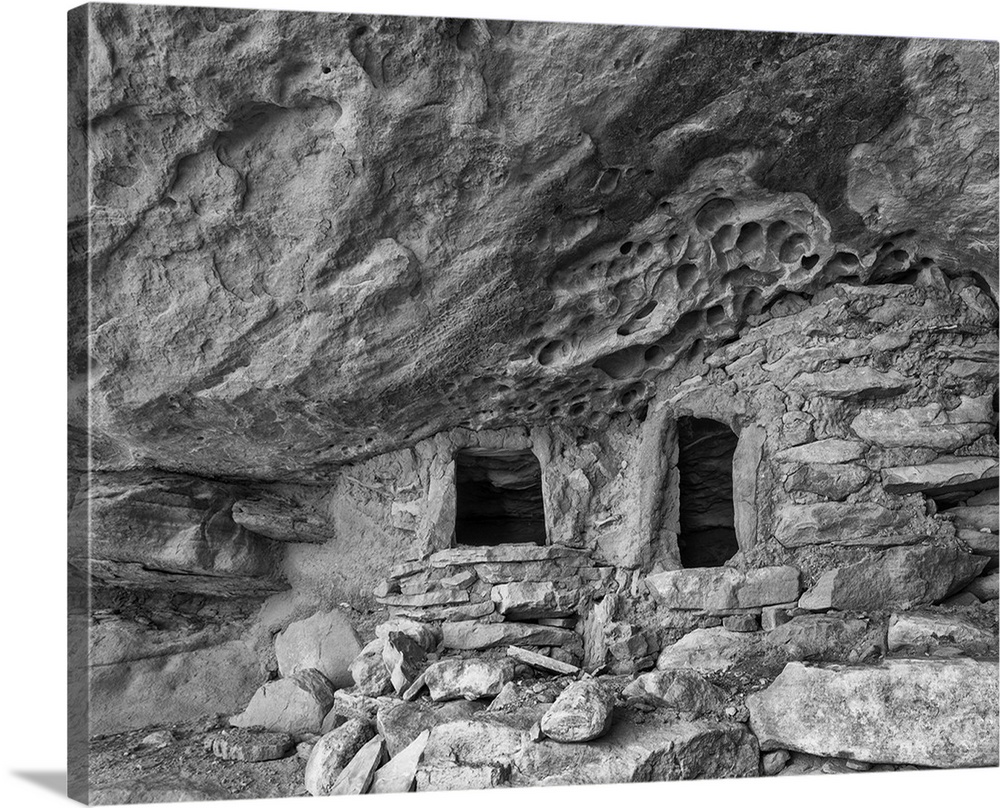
pixel 980 543
pixel 248 745
pixel 930 425
pixel 325 641
pixel 283 519
pixel 818 636
pixel 460 612
pixel 402 722
pixel 506 572
pixel 942 475
pixel 541 661
pixel 976 517
pixel 773 616
pixel 297 704
pixel 632 752
pixel 404 659
pixel 332 753
pixel 470 635
pixel 428 636
pixel 357 776
pixel 901 578
pixel 371 677
pixel 846 523
pixel 722 588
pixel 740 622
pixel 529 600
pixel 398 775
pixel 467 678
pixel 925 631
pixel 686 691
pixel 709 649
pixel 352 704
pixel 827 451
pixel 774 762
pixel 986 587
pixel 581 712
pixel 851 383
pixel 502 553
pixel 882 713
pixel 437 597
pixel 830 481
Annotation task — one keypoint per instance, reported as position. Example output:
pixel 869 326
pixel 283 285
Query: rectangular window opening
pixel 498 498
pixel 705 467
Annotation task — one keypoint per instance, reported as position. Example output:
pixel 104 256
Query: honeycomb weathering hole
pixel 498 498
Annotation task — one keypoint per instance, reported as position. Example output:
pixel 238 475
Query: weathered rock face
pixel 264 214
pixel 882 713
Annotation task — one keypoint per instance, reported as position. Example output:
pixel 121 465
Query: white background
pixel 33 298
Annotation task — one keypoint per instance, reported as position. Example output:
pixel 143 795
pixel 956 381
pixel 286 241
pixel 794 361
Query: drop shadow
pixel 51 780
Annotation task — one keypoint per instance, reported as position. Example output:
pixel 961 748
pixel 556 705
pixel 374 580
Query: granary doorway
pixel 707 536
pixel 498 498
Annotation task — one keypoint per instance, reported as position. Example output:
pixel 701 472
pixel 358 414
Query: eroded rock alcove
pixel 442 383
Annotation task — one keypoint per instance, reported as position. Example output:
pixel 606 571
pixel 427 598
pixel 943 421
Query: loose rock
pixel 582 712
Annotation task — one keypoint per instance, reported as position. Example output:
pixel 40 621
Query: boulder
pixel 686 691
pixel 325 641
pixel 900 578
pixel 404 659
pixel 882 713
pixel 473 753
pixel 332 753
pixel 401 723
pixel 647 752
pixel 581 712
pixel 470 635
pixel 925 631
pixel 710 649
pixel 357 776
pixel 846 523
pixel 250 746
pixel 368 670
pixel 399 774
pixel 467 678
pixel 818 636
pixel 297 704
pixel 942 475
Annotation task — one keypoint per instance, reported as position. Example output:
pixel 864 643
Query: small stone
pixel 774 762
pixel 414 689
pixel 582 712
pixel 250 746
pixel 158 740
pixel 741 622
pixel 686 691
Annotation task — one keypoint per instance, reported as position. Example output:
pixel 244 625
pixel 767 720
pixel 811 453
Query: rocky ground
pixel 418 715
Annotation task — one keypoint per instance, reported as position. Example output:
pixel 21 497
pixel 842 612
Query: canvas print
pixel 475 403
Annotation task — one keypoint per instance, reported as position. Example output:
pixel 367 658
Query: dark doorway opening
pixel 499 498
pixel 705 465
